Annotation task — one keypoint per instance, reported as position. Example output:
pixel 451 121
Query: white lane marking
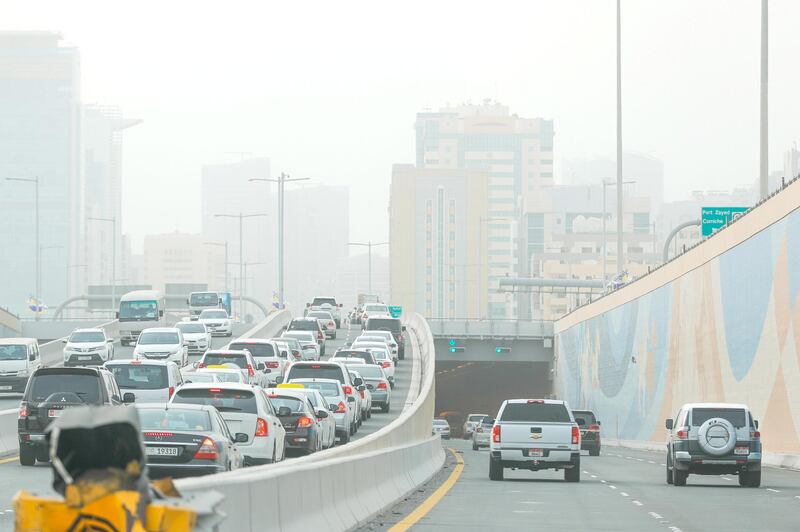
pixel 726 478
pixel 612 487
pixel 526 511
pixel 637 503
pixel 514 491
pixel 640 459
pixel 623 493
pixel 531 502
pixel 585 472
pixel 650 462
pixel 773 491
pixel 663 465
pixel 603 481
pixel 797 496
pixel 675 529
pixel 654 515
pixel 629 457
pixel 594 476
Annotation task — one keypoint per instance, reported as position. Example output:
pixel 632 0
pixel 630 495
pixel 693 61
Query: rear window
pixel 584 418
pixel 316 371
pixel 85 386
pixel 199 377
pixel 327 389
pixel 536 412
pixel 320 315
pixel 300 336
pixel 174 419
pixel 224 400
pixel 304 325
pixel 323 300
pixel 295 405
pixel 140 377
pixel 736 416
pixel 257 350
pixel 384 324
pixel 366 357
pixel 212 359
pixel 370 372
pixel 475 417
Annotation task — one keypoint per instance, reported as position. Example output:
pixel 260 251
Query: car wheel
pixel 752 479
pixel 573 474
pixel 594 452
pixel 679 477
pixel 669 469
pixel 495 469
pixel 344 438
pixel 27 457
pixel 385 408
pixel 474 446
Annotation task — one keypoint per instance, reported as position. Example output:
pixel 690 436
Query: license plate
pixel 535 453
pixel 742 450
pixel 84 358
pixel 54 412
pixel 161 451
pixel 4 388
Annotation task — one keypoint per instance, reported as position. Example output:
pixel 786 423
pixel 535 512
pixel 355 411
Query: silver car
pixel 481 433
pixel 442 428
pixel 473 420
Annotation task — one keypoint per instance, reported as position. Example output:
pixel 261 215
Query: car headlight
pixel 22 373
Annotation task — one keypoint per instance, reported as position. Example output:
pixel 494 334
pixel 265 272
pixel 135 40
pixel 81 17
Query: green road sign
pixel 715 218
pixel 396 312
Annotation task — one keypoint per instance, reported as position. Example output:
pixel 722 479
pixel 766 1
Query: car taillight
pixel 576 435
pixel 755 435
pixel 682 434
pixel 304 422
pixel 199 365
pixel 250 370
pixel 23 410
pixel 262 429
pixel 496 434
pixel 348 390
pixel 594 427
pixel 272 365
pixel 386 364
pixel 155 434
pixel 296 353
pixel 207 450
pixel 340 408
pixel 171 391
pixel 382 386
pixel 479 429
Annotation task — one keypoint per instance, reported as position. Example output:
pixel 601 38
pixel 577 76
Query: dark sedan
pixel 187 440
pixel 297 415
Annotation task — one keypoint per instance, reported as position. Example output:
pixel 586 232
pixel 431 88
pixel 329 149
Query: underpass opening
pixel 465 387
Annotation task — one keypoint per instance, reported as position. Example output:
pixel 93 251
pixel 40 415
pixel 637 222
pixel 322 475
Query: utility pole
pixel 619 139
pixel 281 181
pixel 764 140
pixel 368 244
pixel 241 218
pixel 37 251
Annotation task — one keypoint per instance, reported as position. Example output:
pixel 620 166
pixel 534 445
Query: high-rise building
pixel 438 241
pixel 39 138
pixel 182 258
pixel 227 189
pixel 517 155
pixel 102 169
pixel 317 230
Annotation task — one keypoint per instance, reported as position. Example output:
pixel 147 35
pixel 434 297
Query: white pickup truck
pixel 535 434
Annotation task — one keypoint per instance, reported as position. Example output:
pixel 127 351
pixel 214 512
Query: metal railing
pixel 500 328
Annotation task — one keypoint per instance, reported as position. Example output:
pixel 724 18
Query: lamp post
pixel 281 180
pixel 764 110
pixel 241 217
pixel 619 139
pixel 619 225
pixel 368 244
pixel 38 258
pixel 224 245
pixel 113 221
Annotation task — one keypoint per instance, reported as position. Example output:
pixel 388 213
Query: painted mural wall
pixel 727 329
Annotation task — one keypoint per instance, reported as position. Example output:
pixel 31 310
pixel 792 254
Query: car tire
pixel 333 337
pixel 752 479
pixel 669 469
pixel 344 438
pixel 474 446
pixel 679 477
pixel 27 457
pixel 573 474
pixel 495 469
pixel 385 408
pixel 594 452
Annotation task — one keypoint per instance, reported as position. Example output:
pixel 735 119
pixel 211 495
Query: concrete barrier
pixel 339 488
pixel 8 431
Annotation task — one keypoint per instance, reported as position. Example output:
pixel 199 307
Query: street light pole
pixel 241 217
pixel 368 244
pixel 619 138
pixel 605 214
pixel 113 221
pixel 37 252
pixel 764 137
pixel 281 181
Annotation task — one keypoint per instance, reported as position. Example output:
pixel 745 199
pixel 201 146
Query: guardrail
pixel 473 328
pixel 341 487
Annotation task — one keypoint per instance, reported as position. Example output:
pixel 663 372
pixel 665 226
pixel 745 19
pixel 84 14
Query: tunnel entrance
pixel 480 387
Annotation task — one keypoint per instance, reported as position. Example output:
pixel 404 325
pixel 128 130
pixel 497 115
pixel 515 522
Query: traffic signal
pixel 500 349
pixel 454 347
pixel 457 349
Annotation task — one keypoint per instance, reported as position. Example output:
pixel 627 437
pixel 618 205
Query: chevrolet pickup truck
pixel 535 434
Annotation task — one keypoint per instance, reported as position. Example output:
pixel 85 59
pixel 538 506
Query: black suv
pixel 49 392
pixel 590 431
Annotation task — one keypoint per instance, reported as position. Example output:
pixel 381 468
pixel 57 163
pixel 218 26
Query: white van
pixel 19 358
pixel 139 310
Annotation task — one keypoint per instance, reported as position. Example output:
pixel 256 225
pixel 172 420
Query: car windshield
pixel 536 412
pixel 319 301
pixel 318 371
pixel 379 354
pixel 138 310
pixel 257 350
pixel 475 417
pixel 440 423
pixel 174 419
pixel 204 299
pixel 13 352
pixel 140 376
pixel 736 416
pixel 85 386
pixel 584 418
pixel 158 338
pixel 86 337
pixel 213 315
pixel 243 401
pixel 217 359
pixel 191 328
pixel 295 405
pixel 327 389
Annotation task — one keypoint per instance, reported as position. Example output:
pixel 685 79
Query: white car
pixel 161 343
pixel 363 392
pixel 150 381
pixel 385 361
pixel 224 374
pixel 369 345
pixel 251 370
pixel 246 409
pixel 217 321
pixel 195 336
pixel 88 346
pixel 327 423
pixel 372 310
pixel 311 349
pixel 325 319
pixel 264 352
pixel 386 336
pixel 344 412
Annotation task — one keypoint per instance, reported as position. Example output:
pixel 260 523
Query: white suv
pixel 217 321
pixel 161 343
pixel 88 346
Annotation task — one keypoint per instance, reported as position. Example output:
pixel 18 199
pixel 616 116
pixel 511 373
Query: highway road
pixel 37 479
pixel 621 490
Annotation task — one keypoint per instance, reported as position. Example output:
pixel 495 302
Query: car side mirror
pixel 351 399
pixel 668 424
pixel 284 411
pixel 187 301
pixel 755 422
pixel 333 408
pixel 278 380
pixel 110 340
pixel 322 414
pixel 32 357
pixel 240 437
pixel 358 381
pixel 598 423
pixel 489 421
pixel 404 328
pixel 64 340
pixel 116 314
pixel 361 388
pixel 261 366
pixel 128 398
pixel 284 354
pixel 160 313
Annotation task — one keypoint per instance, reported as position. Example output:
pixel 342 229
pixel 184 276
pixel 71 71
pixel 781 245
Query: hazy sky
pixel 329 90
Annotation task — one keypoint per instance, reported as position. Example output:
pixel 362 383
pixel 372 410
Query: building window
pixel 547 174
pixel 547 161
pixel 641 222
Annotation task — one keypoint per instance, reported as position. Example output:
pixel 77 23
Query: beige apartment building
pixel 184 258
